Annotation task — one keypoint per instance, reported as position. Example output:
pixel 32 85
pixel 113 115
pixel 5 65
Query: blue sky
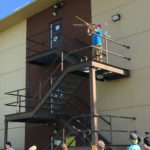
pixel 9 6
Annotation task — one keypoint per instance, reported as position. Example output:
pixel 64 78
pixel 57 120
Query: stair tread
pixel 72 81
pixel 68 87
pixel 49 108
pixel 60 98
pixel 74 75
pixel 62 92
pixel 54 103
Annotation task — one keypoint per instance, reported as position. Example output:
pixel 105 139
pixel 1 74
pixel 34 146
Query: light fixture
pixel 116 17
pixel 58 5
pixel 61 4
pixel 54 12
pixel 55 6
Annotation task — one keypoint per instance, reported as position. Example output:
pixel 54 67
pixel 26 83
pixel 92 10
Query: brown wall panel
pixel 40 22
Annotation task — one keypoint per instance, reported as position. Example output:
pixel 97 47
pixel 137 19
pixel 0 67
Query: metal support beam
pixel 62 61
pixel 94 119
pixel 5 133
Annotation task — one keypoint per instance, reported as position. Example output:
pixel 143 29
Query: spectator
pixel 9 146
pixel 134 142
pixel 146 141
pixel 101 145
pixel 33 147
pixel 63 146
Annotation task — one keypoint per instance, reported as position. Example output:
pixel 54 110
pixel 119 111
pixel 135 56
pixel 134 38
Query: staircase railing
pixel 64 133
pixel 41 85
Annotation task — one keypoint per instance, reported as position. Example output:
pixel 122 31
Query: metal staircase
pixel 63 93
pixel 49 101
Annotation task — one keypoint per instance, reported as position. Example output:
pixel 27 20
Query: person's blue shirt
pixel 11 148
pixel 97 39
pixel 134 147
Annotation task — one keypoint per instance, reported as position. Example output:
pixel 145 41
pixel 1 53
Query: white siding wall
pixel 130 96
pixel 12 77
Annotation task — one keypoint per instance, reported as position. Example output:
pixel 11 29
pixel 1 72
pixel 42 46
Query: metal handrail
pixel 69 53
pixel 102 130
pixel 113 41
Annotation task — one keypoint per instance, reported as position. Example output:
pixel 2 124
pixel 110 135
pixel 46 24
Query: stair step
pixel 59 98
pixel 62 92
pixel 53 103
pixel 67 87
pixel 49 108
pixel 72 81
pixel 81 74
pixel 76 76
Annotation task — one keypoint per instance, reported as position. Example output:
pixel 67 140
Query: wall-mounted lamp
pixel 54 13
pixel 58 5
pixel 116 17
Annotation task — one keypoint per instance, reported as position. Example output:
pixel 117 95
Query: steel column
pixel 62 61
pixel 5 133
pixel 94 119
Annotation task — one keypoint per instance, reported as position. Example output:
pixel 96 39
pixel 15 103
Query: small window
pixel 57 27
pixel 55 38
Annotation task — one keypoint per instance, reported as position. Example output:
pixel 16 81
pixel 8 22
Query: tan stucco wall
pixel 12 77
pixel 130 96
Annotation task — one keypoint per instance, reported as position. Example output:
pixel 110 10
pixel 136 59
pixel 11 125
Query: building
pixel 30 46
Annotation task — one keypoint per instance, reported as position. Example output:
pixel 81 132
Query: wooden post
pixel 106 48
pixel 94 119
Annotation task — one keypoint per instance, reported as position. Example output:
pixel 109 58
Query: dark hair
pixel 147 132
pixel 99 26
pixel 8 143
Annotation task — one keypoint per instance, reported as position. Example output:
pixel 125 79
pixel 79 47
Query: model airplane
pixel 86 23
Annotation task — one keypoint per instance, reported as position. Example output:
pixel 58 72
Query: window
pixel 57 27
pixel 55 34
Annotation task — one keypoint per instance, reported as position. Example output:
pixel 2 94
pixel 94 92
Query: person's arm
pixel 89 29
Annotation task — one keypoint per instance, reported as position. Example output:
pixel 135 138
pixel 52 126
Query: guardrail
pixel 43 82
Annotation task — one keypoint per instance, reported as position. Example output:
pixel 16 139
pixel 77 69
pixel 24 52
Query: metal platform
pixel 44 58
pixel 47 57
pixel 105 71
pixel 29 118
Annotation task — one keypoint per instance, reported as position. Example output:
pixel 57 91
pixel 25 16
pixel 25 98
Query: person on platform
pixel 96 33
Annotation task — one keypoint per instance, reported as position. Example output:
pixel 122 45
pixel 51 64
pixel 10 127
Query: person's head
pixel 8 145
pixel 133 138
pixel 147 133
pixel 33 147
pixel 101 145
pixel 63 146
pixel 98 27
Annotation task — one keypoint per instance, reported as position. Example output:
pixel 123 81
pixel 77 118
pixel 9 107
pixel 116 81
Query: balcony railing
pixel 82 54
